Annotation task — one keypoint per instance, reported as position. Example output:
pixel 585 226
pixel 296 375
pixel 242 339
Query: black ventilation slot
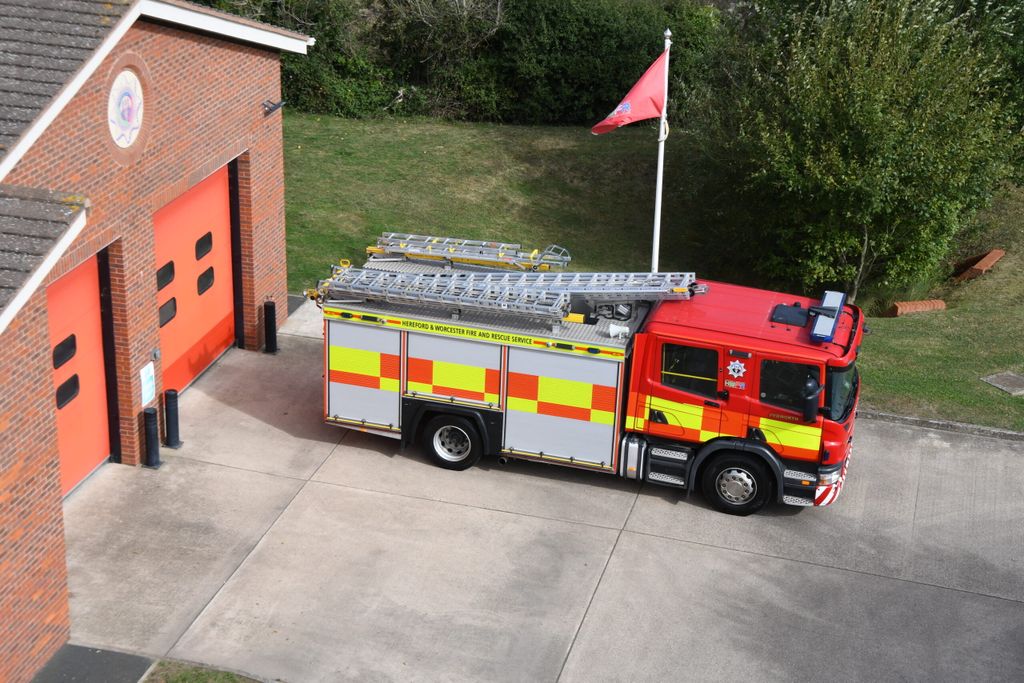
pixel 64 351
pixel 795 315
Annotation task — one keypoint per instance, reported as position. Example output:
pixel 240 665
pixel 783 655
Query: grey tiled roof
pixel 31 223
pixel 42 44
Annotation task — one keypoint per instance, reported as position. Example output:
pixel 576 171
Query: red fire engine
pixel 477 348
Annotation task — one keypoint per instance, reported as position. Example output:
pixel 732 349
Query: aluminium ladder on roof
pixel 541 295
pixel 477 252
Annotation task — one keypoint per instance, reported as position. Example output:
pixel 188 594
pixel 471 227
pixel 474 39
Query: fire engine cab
pixel 475 348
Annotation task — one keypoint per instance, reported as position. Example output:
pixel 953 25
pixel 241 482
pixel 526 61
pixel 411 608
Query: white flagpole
pixel 662 135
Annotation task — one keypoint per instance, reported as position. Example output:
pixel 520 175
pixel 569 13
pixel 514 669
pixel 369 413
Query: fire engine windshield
pixel 841 391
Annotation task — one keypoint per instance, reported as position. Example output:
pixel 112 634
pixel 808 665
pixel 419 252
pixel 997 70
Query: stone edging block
pixel 901 308
pixel 945 425
pixel 981 265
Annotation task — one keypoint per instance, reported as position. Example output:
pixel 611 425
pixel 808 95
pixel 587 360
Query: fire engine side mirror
pixel 811 392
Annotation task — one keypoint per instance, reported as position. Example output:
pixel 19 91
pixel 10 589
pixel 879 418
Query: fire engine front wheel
pixel 452 442
pixel 736 484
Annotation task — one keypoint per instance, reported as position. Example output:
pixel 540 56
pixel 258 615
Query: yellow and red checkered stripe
pixel 697 424
pixel 636 412
pixel 790 439
pixel 360 368
pixel 443 378
pixel 561 398
pixel 688 421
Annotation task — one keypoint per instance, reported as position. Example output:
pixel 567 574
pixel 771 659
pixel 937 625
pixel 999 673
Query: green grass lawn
pixel 348 180
pixel 169 671
pixel 930 364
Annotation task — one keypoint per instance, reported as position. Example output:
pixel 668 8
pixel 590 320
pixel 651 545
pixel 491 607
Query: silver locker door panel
pixel 362 336
pixel 363 383
pixel 451 350
pixel 460 370
pixel 374 407
pixel 562 365
pixel 560 437
pixel 532 431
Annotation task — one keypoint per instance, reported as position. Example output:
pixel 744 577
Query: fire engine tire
pixel 736 484
pixel 452 442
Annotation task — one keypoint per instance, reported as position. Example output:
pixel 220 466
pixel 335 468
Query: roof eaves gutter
pixel 224 26
pixel 42 270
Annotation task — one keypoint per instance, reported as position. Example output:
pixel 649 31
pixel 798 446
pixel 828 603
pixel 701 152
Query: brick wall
pixel 33 574
pixel 203 109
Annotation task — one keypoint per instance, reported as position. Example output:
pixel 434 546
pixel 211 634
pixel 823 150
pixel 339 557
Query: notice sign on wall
pixel 147 377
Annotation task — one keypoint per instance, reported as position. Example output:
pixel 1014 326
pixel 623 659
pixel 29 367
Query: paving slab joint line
pixel 833 567
pixel 234 571
pixel 286 333
pixel 944 425
pixel 171 457
pixel 597 586
pixel 470 506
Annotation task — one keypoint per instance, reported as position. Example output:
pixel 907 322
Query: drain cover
pixel 1010 382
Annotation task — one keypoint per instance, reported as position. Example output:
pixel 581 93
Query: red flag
pixel 646 100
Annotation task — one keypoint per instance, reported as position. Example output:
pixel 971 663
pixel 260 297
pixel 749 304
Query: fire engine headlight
pixel 829 477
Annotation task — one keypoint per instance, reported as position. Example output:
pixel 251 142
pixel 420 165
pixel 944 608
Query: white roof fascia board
pixel 44 268
pixel 70 89
pixel 201 21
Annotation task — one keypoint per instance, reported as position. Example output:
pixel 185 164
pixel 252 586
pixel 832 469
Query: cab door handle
pixel 712 404
pixel 657 416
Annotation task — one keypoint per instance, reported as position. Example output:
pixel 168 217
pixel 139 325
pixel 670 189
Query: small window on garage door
pixel 64 351
pixel 205 280
pixel 165 275
pixel 67 391
pixel 168 310
pixel 204 245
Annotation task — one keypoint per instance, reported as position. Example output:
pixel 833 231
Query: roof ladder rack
pixel 468 252
pixel 546 297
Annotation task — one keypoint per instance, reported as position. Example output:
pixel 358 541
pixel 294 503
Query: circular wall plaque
pixel 124 109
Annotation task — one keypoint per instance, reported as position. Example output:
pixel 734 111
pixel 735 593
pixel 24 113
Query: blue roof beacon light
pixel 826 317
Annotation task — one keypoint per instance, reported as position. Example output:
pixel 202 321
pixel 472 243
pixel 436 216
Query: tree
pixel 863 135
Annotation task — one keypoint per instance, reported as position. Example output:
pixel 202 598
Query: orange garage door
pixel 76 341
pixel 193 260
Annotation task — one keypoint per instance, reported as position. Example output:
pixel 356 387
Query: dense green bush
pixel 543 61
pixel 858 139
pixel 348 86
pixel 521 61
pixel 1001 22
pixel 573 60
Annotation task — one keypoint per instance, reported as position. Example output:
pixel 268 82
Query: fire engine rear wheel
pixel 736 484
pixel 452 442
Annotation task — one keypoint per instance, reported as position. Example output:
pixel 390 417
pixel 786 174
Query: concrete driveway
pixel 278 547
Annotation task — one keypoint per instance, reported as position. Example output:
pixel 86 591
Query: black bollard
pixel 152 439
pixel 269 327
pixel 173 439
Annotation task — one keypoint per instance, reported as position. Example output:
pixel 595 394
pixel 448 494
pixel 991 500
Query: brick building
pixel 141 230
